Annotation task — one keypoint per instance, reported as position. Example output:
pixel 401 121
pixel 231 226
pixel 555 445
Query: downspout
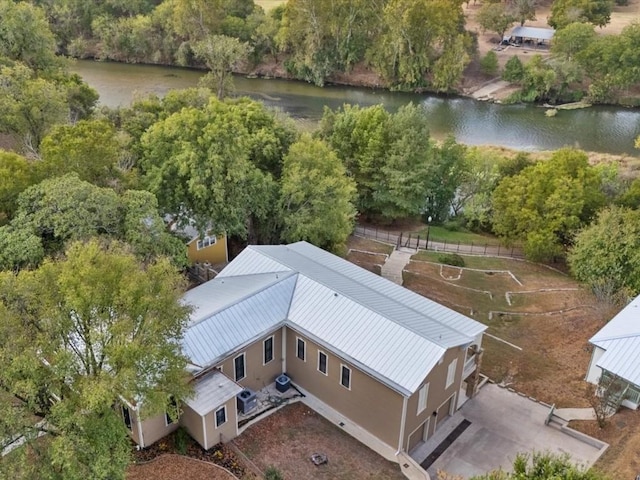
pixel 402 423
pixel 284 349
pixel 204 432
pixel 140 436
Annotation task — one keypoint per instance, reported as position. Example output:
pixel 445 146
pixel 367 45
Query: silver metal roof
pixel 620 338
pixel 211 391
pixel 533 32
pixel 226 330
pixel 388 331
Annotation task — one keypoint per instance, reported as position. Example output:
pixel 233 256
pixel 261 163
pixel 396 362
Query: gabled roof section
pixel 222 331
pixel 620 338
pixel 369 340
pixel 424 317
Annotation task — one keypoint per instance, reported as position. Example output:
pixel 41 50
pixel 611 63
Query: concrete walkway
pixel 575 413
pixel 393 267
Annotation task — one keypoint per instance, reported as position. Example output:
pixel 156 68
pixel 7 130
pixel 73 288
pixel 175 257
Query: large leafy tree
pixel 564 12
pixel 16 174
pixel 545 204
pixel 496 17
pixel 77 336
pixel 200 164
pixel 63 209
pixel 317 195
pixel 606 254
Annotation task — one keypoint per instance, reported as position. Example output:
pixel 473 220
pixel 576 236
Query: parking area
pixel 503 424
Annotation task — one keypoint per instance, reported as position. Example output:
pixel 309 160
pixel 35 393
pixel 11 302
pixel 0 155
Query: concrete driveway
pixel 503 424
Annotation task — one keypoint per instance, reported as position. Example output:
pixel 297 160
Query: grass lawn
pixel 441 234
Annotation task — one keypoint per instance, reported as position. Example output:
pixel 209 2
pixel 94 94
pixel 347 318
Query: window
pixel 267 350
pixel 206 242
pixel 423 394
pixel 345 376
pixel 221 416
pixel 173 409
pixel 126 415
pixel 322 362
pixel 451 372
pixel 301 351
pixel 238 367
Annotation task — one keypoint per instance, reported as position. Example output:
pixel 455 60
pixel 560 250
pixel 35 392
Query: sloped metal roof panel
pixel 221 292
pixel 226 330
pixel 622 358
pixel 384 349
pixel 625 324
pixel 251 261
pixel 533 32
pixel 212 391
pixel 424 317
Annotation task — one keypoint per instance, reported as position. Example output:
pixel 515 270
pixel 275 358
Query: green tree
pixel 30 106
pixel 88 148
pixel 198 162
pixel 16 174
pixel 25 36
pixel 545 204
pixel 543 466
pixel 513 70
pixel 98 327
pixel 573 39
pixel 524 10
pixel 606 254
pixel 564 12
pixel 495 17
pixel 489 63
pixel 221 54
pixel 317 196
pixel 448 68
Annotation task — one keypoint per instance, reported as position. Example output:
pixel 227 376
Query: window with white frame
pixel 221 416
pixel 301 349
pixel 322 362
pixel 267 351
pixel 239 367
pixel 206 242
pixel 345 376
pixel 423 394
pixel 451 372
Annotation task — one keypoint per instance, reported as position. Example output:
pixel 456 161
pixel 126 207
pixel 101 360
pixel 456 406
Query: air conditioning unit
pixel 283 383
pixel 246 400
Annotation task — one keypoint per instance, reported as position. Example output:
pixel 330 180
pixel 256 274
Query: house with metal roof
pixel 378 355
pixel 616 354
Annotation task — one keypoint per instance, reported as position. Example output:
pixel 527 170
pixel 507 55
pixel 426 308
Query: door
pixel 419 435
pixel 444 411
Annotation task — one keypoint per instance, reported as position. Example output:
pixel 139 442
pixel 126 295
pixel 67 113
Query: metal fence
pixel 417 241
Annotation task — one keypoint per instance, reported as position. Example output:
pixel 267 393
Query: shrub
pixel 272 473
pixel 513 70
pixel 489 63
pixel 452 259
pixel 181 441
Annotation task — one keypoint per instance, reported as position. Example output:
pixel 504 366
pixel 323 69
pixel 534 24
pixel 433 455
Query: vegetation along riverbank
pixel 412 45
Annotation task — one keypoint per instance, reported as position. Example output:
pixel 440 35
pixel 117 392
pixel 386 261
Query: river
pixel 524 127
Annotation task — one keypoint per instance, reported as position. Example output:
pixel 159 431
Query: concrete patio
pixel 503 424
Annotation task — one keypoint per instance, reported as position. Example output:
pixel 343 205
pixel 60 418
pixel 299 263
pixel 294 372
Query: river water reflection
pixel 524 127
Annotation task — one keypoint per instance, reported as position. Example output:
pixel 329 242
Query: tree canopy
pixel 77 336
pixel 545 204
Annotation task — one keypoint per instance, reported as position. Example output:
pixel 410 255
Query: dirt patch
pixel 287 439
pixel 171 467
pixel 366 245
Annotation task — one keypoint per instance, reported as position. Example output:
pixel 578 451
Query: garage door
pixel 419 435
pixel 443 412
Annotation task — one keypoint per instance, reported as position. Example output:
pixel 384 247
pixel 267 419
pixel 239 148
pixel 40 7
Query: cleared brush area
pixel 368 254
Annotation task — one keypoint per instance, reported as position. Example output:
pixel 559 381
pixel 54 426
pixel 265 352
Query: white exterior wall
pixel 594 372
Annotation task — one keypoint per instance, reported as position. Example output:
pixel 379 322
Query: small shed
pixel 534 36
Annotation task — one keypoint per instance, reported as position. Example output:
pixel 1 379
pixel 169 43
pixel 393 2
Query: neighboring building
pixel 385 358
pixel 210 248
pixel 533 36
pixel 616 354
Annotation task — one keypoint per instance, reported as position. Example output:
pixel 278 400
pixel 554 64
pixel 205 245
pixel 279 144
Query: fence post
pixel 485 248
pixel 512 250
pixel 376 233
pixel 418 243
pixel 471 247
pixel 498 249
pixel 399 241
pixel 387 235
pixel 408 244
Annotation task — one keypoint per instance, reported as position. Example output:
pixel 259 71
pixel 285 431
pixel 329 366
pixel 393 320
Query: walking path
pixel 575 413
pixel 393 267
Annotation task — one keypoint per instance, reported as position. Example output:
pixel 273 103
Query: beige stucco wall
pixel 213 254
pixel 257 375
pixel 369 403
pixel 153 429
pixel 437 394
pixel 194 425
